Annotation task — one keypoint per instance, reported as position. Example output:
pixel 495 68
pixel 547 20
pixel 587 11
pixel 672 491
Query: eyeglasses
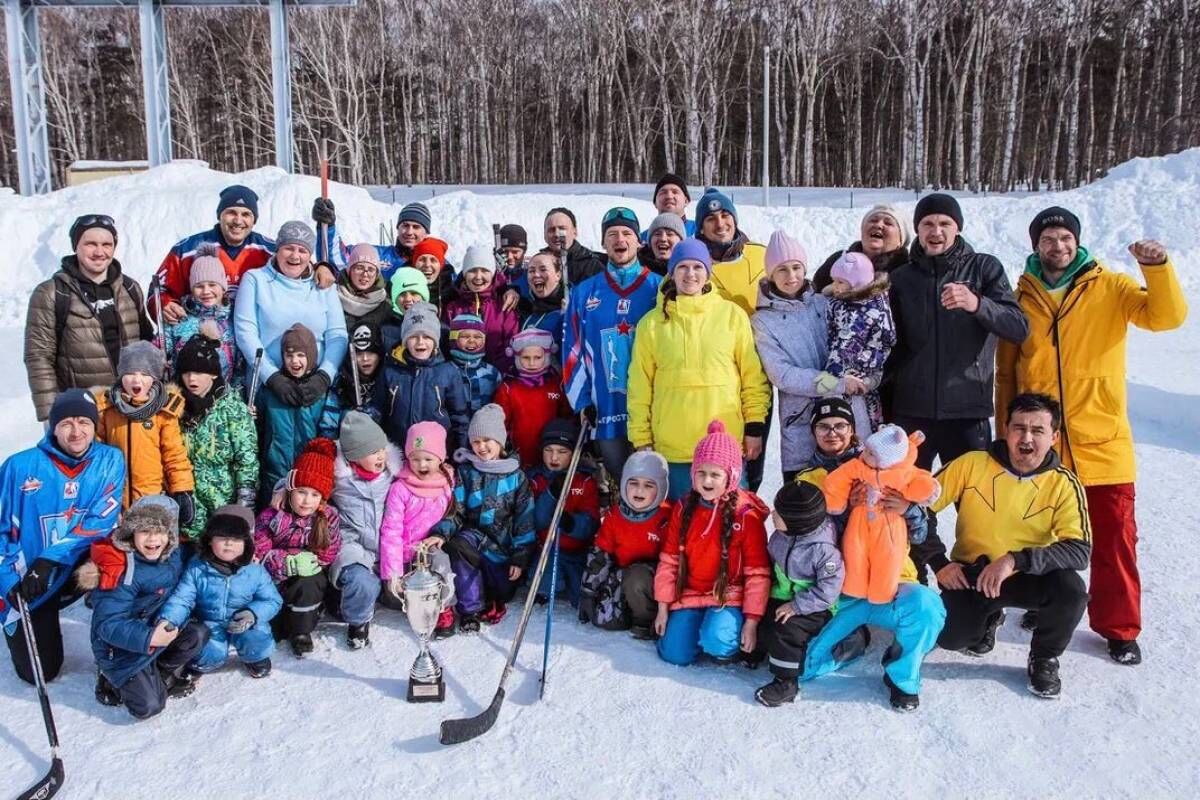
pixel 825 428
pixel 364 268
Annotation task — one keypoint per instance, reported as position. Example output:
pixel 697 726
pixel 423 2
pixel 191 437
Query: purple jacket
pixel 279 534
pixel 408 517
pixel 498 326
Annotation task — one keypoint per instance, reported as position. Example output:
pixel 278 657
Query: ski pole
pixel 258 357
pixel 358 401
pixel 501 261
pixel 562 265
pixel 156 288
pixel 566 490
pixel 50 783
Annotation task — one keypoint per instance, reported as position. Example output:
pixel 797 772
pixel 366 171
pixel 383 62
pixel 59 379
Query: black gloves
pixel 556 484
pixel 36 580
pixel 187 508
pixel 588 416
pixel 286 389
pixel 313 387
pixel 566 523
pixel 322 212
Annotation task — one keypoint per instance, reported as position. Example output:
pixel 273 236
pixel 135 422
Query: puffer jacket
pixel 497 504
pixel 808 569
pixel 223 449
pixel 279 534
pixel 360 502
pixel 1076 354
pixel 943 361
pixel 213 592
pixel 427 391
pixel 737 268
pixel 696 366
pixel 529 405
pixel 156 459
pixel 221 317
pixel 499 326
pixel 580 514
pixel 414 508
pixel 80 359
pixel 284 430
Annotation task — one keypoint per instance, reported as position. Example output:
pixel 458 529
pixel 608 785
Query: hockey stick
pixel 253 390
pixel 457 731
pixel 49 785
pixel 550 604
pixel 322 228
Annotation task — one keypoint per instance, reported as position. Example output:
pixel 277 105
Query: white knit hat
pixel 888 446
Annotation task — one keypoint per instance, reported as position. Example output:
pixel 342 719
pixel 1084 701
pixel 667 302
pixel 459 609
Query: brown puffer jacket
pixel 156 459
pixel 80 359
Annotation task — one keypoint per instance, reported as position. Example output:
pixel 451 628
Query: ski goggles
pixel 89 221
pixel 620 216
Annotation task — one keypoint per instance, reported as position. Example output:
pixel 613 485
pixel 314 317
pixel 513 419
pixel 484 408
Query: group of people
pixel 282 427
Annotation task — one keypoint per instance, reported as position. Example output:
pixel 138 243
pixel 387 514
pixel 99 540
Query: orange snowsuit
pixel 876 542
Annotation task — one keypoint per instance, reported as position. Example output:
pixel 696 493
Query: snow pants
pixel 570 576
pixel 874 551
pixel 916 617
pixel 478 581
pixel 358 587
pixel 787 642
pixel 303 599
pixel 1115 601
pixel 252 645
pixel 690 631
pixel 145 694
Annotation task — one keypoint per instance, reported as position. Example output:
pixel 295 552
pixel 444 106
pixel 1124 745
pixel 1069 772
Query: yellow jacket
pixel 737 280
pixel 696 366
pixel 1030 516
pixel 1075 352
pixel 156 458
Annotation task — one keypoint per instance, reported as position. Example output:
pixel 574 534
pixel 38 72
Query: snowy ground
pixel 616 721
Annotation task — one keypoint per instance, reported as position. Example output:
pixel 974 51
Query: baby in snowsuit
pixel 876 541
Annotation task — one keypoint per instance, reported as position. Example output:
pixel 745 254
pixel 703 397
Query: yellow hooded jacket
pixel 737 280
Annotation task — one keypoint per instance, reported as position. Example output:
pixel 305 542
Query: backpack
pixel 62 306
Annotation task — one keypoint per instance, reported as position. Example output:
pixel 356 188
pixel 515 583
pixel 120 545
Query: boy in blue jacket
pixel 142 659
pixel 234 598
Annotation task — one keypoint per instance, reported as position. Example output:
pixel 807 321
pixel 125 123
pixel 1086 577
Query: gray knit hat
pixel 670 221
pixel 297 232
pixel 645 464
pixel 360 436
pixel 421 318
pixel 488 423
pixel 478 257
pixel 144 357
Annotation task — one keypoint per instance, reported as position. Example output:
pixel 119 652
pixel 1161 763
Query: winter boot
pixel 751 660
pixel 358 636
pixel 259 669
pixel 1029 620
pixel 494 614
pixel 181 685
pixel 1043 677
pixel 900 700
pixel 988 643
pixel 643 633
pixel 445 624
pixel 892 652
pixel 469 623
pixel 777 692
pixel 302 644
pixel 106 693
pixel 1125 651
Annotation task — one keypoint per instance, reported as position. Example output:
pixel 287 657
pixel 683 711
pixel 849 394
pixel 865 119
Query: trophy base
pixel 426 691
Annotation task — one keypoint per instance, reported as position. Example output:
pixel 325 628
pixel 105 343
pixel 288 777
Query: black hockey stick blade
pixel 457 731
pixel 48 786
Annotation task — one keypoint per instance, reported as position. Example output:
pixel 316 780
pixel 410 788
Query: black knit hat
pixel 512 235
pixel 230 522
pixel 366 338
pixel 1053 217
pixel 671 179
pixel 938 204
pixel 801 506
pixel 199 354
pixel 83 224
pixel 831 407
pixel 561 432
pixel 563 210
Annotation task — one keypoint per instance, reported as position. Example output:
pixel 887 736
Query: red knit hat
pixel 720 449
pixel 429 246
pixel 314 467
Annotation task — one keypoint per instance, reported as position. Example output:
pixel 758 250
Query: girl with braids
pixel 694 361
pixel 714 575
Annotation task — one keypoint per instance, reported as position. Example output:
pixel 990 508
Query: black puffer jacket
pixel 944 361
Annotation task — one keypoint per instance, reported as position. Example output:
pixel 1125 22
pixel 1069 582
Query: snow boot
pixel 1029 620
pixel 181 685
pixel 358 636
pixel 1125 651
pixel 988 643
pixel 900 700
pixel 777 692
pixel 469 623
pixel 302 644
pixel 259 669
pixel 494 614
pixel 643 633
pixel 751 660
pixel 1043 677
pixel 106 693
pixel 892 652
pixel 445 624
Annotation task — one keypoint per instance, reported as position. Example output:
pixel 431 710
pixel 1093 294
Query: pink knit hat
pixel 207 267
pixel 428 437
pixel 853 268
pixel 719 449
pixel 782 249
pixel 364 253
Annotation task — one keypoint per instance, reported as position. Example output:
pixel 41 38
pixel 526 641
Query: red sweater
pixel 630 541
pixel 527 409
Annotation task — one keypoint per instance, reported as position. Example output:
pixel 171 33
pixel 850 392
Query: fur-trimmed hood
pixel 873 289
pixel 109 558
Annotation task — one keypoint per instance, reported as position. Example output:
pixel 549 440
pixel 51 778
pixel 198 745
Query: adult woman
pixel 694 361
pixel 884 236
pixel 362 289
pixel 276 297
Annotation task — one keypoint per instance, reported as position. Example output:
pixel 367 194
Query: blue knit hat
pixel 418 213
pixel 712 201
pixel 690 250
pixel 238 196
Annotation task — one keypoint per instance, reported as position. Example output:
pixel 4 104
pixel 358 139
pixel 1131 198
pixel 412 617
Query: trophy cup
pixel 423 593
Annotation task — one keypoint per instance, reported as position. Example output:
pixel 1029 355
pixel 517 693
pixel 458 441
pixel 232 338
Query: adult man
pixel 737 262
pixel 560 231
pixel 1079 314
pixel 602 315
pixel 884 237
pixel 81 317
pixel 665 231
pixel 671 197
pixel 55 499
pixel 412 227
pixel 1021 538
pixel 239 247
pixel 514 241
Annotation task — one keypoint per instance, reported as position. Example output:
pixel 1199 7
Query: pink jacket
pixel 279 534
pixel 408 516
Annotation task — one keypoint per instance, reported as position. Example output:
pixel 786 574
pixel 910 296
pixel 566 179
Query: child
pixel 285 428
pixel 219 432
pixel 534 396
pixel 299 541
pixel 417 501
pixel 139 415
pixel 490 536
pixel 418 385
pixel 714 574
pixel 478 295
pixel 207 309
pixel 142 659
pixel 467 343
pixel 362 475
pixel 618 584
pixel 366 348
pixel 808 574
pixel 875 544
pixel 581 511
pixel 861 334
pixel 408 289
pixel 229 594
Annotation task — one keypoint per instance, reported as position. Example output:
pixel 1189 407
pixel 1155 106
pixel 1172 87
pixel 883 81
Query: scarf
pixel 726 251
pixel 196 408
pixel 501 466
pixel 147 410
pixel 359 304
pixel 636 516
pixel 465 359
pixel 433 486
pixel 533 379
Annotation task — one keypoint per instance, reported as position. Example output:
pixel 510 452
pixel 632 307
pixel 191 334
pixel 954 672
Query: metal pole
pixel 28 97
pixel 156 91
pixel 766 118
pixel 281 83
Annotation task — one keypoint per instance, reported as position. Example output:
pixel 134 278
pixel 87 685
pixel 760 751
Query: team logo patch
pixel 830 567
pixel 714 205
pixel 623 305
pixel 419 443
pixel 31 485
pixel 592 303
pixel 71 490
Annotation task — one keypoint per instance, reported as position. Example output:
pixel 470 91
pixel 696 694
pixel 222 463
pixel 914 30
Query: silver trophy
pixel 424 594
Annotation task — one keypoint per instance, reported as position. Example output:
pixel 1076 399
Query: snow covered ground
pixel 616 721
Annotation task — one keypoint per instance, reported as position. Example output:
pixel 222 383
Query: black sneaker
pixel 469 623
pixel 259 669
pixel 106 693
pixel 358 636
pixel 777 692
pixel 901 701
pixel 988 643
pixel 1125 651
pixel 643 633
pixel 302 644
pixel 1029 620
pixel 1043 677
